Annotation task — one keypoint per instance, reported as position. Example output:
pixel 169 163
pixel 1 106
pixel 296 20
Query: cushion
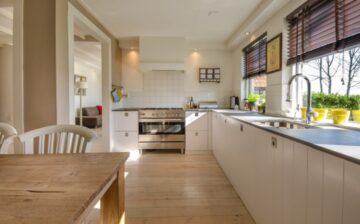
pixel 99 107
pixel 90 111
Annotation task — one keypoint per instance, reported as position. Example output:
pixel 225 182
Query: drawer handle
pixel 241 127
pixel 196 134
pixel 126 134
pixel 196 114
pixel 225 121
pixel 126 114
pixel 274 142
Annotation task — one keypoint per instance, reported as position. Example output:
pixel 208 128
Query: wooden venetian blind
pixel 320 27
pixel 255 57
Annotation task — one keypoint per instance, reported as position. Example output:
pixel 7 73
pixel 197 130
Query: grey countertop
pixel 340 142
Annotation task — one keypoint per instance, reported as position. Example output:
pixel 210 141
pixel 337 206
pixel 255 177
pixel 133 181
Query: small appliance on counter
pixel 208 105
pixel 234 102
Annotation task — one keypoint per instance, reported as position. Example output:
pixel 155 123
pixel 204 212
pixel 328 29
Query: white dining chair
pixel 7 137
pixel 58 139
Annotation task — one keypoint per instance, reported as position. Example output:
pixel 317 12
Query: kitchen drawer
pixel 126 121
pixel 125 141
pixel 196 140
pixel 196 121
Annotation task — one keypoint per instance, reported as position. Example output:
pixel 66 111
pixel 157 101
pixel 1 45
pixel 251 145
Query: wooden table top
pixel 54 188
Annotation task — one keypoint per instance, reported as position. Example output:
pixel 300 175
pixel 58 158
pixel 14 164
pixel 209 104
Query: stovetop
pixel 162 108
pixel 160 113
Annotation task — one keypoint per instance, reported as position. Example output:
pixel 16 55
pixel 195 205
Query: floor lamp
pixel 81 86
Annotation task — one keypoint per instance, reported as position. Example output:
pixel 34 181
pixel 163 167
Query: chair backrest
pixel 58 139
pixel 7 136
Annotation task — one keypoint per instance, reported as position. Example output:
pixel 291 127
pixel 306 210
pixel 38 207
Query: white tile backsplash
pixel 173 89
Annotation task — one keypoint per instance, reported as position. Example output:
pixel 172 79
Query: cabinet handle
pixel 126 114
pixel 196 134
pixel 225 121
pixel 196 114
pixel 241 127
pixel 126 134
pixel 274 142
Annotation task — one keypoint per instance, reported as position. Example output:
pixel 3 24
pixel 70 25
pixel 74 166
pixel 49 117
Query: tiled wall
pixel 172 88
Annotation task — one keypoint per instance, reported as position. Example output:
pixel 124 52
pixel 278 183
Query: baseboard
pixel 197 152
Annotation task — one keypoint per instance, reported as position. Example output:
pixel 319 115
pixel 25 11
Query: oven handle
pixel 160 120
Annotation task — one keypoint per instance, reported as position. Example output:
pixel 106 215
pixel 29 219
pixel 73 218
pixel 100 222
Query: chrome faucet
pixel 309 112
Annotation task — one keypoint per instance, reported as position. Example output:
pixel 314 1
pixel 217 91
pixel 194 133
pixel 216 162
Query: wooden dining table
pixel 62 189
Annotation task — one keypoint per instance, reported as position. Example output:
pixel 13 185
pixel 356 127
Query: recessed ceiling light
pixel 247 33
pixel 195 49
pixel 213 12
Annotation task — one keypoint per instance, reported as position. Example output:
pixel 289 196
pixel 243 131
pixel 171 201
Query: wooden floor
pixel 179 189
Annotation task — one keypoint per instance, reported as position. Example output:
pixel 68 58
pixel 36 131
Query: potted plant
pixel 252 99
pixel 341 114
pixel 355 107
pixel 319 106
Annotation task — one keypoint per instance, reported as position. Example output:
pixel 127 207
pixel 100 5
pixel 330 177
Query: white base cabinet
pixel 285 182
pixel 126 134
pixel 197 130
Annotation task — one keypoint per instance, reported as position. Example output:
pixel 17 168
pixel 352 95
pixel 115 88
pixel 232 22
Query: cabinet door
pixel 126 121
pixel 333 190
pixel 315 186
pixel 351 193
pixel 125 141
pixel 295 184
pixel 196 121
pixel 196 140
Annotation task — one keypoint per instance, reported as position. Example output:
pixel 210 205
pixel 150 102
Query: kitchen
pixel 229 112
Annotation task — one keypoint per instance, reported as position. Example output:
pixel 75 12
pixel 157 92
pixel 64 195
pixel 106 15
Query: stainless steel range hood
pixel 162 54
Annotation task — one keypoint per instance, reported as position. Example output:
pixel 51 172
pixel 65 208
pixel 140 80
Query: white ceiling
pixel 6 25
pixel 208 20
pixel 88 54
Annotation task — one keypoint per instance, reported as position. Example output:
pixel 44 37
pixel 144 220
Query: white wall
pixel 173 89
pixel 6 84
pixel 276 82
pixel 93 92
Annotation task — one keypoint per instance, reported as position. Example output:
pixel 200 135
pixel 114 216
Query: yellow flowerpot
pixel 321 114
pixel 303 113
pixel 340 116
pixel 356 115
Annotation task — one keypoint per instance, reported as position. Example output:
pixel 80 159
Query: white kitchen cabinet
pixel 125 135
pixel 351 193
pixel 196 121
pixel 126 121
pixel 125 141
pixel 315 186
pixel 197 131
pixel 196 140
pixel 333 190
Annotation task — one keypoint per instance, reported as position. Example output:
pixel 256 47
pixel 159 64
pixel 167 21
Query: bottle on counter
pixel 191 103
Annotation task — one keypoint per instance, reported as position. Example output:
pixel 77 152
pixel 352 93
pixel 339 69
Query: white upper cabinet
pixel 126 121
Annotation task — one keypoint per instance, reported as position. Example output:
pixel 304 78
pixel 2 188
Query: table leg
pixel 113 202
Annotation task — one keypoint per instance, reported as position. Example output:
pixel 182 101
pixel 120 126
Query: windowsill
pixel 349 125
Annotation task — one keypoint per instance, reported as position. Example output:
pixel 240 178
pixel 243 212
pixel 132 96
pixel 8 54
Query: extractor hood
pixel 162 54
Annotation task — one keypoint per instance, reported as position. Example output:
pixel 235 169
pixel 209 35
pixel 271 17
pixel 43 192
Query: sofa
pixel 92 117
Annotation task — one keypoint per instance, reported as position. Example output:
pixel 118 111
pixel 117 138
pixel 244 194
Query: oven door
pixel 161 127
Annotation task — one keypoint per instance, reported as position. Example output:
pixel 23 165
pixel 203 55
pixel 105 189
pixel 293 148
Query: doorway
pixel 90 61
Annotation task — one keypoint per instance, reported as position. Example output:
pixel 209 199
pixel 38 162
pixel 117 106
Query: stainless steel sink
pixel 283 124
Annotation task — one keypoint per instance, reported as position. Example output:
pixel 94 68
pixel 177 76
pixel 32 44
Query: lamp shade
pixel 81 85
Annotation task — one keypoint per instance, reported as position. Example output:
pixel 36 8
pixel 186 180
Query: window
pixel 255 57
pixel 322 27
pixel 324 43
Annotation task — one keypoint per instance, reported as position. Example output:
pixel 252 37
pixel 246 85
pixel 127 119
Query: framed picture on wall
pixel 274 54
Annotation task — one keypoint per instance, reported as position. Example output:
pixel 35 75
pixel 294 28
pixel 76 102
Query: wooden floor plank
pixel 179 189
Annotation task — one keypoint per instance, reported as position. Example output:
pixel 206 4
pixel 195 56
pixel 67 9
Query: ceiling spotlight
pixel 247 33
pixel 196 50
pixel 213 12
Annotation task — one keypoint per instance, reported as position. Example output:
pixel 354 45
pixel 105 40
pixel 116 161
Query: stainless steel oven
pixel 162 129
